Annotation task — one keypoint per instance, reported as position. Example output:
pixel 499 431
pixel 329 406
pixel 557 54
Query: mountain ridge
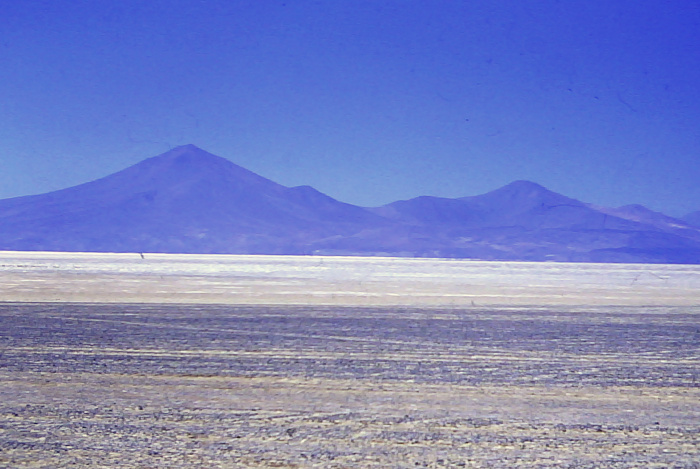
pixel 191 201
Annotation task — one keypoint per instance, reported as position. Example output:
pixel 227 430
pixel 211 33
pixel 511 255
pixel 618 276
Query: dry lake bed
pixel 270 361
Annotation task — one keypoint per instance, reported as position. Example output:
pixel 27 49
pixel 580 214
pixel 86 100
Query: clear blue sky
pixel 368 101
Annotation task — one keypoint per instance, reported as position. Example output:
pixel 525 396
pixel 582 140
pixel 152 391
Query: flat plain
pixel 223 365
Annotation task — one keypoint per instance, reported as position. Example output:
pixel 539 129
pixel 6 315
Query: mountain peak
pixel 189 150
pixel 188 147
pixel 189 153
pixel 640 213
pixel 189 200
pixel 523 188
pixel 522 195
pixel 191 163
pixel 525 184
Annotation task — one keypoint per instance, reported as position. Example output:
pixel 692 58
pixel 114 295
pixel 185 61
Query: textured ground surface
pixel 148 386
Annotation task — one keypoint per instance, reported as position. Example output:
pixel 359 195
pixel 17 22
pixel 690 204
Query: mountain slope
pixel 519 205
pixel 525 221
pixel 190 201
pixel 185 200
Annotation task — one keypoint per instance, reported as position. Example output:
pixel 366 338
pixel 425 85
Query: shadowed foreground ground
pixel 172 386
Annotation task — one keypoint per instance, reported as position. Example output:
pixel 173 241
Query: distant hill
pixel 525 221
pixel 190 201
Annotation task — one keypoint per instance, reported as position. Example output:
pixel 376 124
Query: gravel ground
pixel 146 386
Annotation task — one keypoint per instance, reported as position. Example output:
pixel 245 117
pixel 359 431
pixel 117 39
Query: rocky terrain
pixel 137 386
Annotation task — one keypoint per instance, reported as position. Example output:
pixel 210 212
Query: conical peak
pixel 516 189
pixel 192 159
pixel 187 147
pixel 526 190
pixel 189 152
pixel 521 196
pixel 189 162
pixel 190 149
pixel 523 186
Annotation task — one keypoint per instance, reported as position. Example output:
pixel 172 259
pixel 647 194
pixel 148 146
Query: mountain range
pixel 190 201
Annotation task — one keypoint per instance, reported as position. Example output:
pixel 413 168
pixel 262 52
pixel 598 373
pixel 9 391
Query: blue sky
pixel 368 101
